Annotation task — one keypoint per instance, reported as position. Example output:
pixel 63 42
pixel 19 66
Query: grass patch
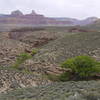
pixel 21 59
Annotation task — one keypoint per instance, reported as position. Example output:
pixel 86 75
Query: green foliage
pixel 21 59
pixel 69 64
pixel 34 51
pixel 81 66
pixel 53 77
pixel 65 76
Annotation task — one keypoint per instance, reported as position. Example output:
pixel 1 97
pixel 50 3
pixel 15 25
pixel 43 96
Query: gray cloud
pixel 54 8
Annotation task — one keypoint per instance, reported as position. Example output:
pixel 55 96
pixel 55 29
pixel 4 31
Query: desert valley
pixel 49 58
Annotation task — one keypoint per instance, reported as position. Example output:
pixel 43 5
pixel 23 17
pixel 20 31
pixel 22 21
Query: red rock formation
pixel 17 17
pixel 16 13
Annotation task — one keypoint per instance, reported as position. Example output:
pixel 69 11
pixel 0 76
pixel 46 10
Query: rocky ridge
pixel 10 49
pixel 34 19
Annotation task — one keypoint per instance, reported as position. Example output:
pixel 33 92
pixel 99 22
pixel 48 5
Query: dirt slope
pixel 58 91
pixel 73 44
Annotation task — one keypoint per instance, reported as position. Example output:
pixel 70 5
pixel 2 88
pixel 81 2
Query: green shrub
pixel 21 59
pixel 65 76
pixel 52 77
pixel 34 51
pixel 81 66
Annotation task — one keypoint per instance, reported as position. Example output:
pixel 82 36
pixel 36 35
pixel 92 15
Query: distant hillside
pixel 86 21
pixel 3 15
pixel 17 17
pixel 94 26
pixel 70 45
pixel 89 20
pixel 34 19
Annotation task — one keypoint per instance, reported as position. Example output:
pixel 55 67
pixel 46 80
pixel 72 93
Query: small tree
pixel 81 66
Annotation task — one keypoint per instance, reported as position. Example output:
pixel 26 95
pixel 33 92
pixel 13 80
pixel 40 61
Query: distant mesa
pixel 92 18
pixel 33 12
pixel 17 13
pixel 17 17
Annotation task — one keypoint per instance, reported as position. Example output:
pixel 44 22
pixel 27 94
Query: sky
pixel 54 8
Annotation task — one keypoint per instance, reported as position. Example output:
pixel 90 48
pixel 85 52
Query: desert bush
pixel 21 59
pixel 65 76
pixel 81 66
pixel 34 51
pixel 52 77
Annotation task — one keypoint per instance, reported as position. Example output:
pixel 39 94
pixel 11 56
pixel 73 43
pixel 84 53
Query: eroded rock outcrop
pixel 9 50
pixel 33 36
pixel 11 79
pixel 16 13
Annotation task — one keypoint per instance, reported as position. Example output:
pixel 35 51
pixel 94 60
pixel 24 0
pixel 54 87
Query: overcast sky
pixel 54 8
